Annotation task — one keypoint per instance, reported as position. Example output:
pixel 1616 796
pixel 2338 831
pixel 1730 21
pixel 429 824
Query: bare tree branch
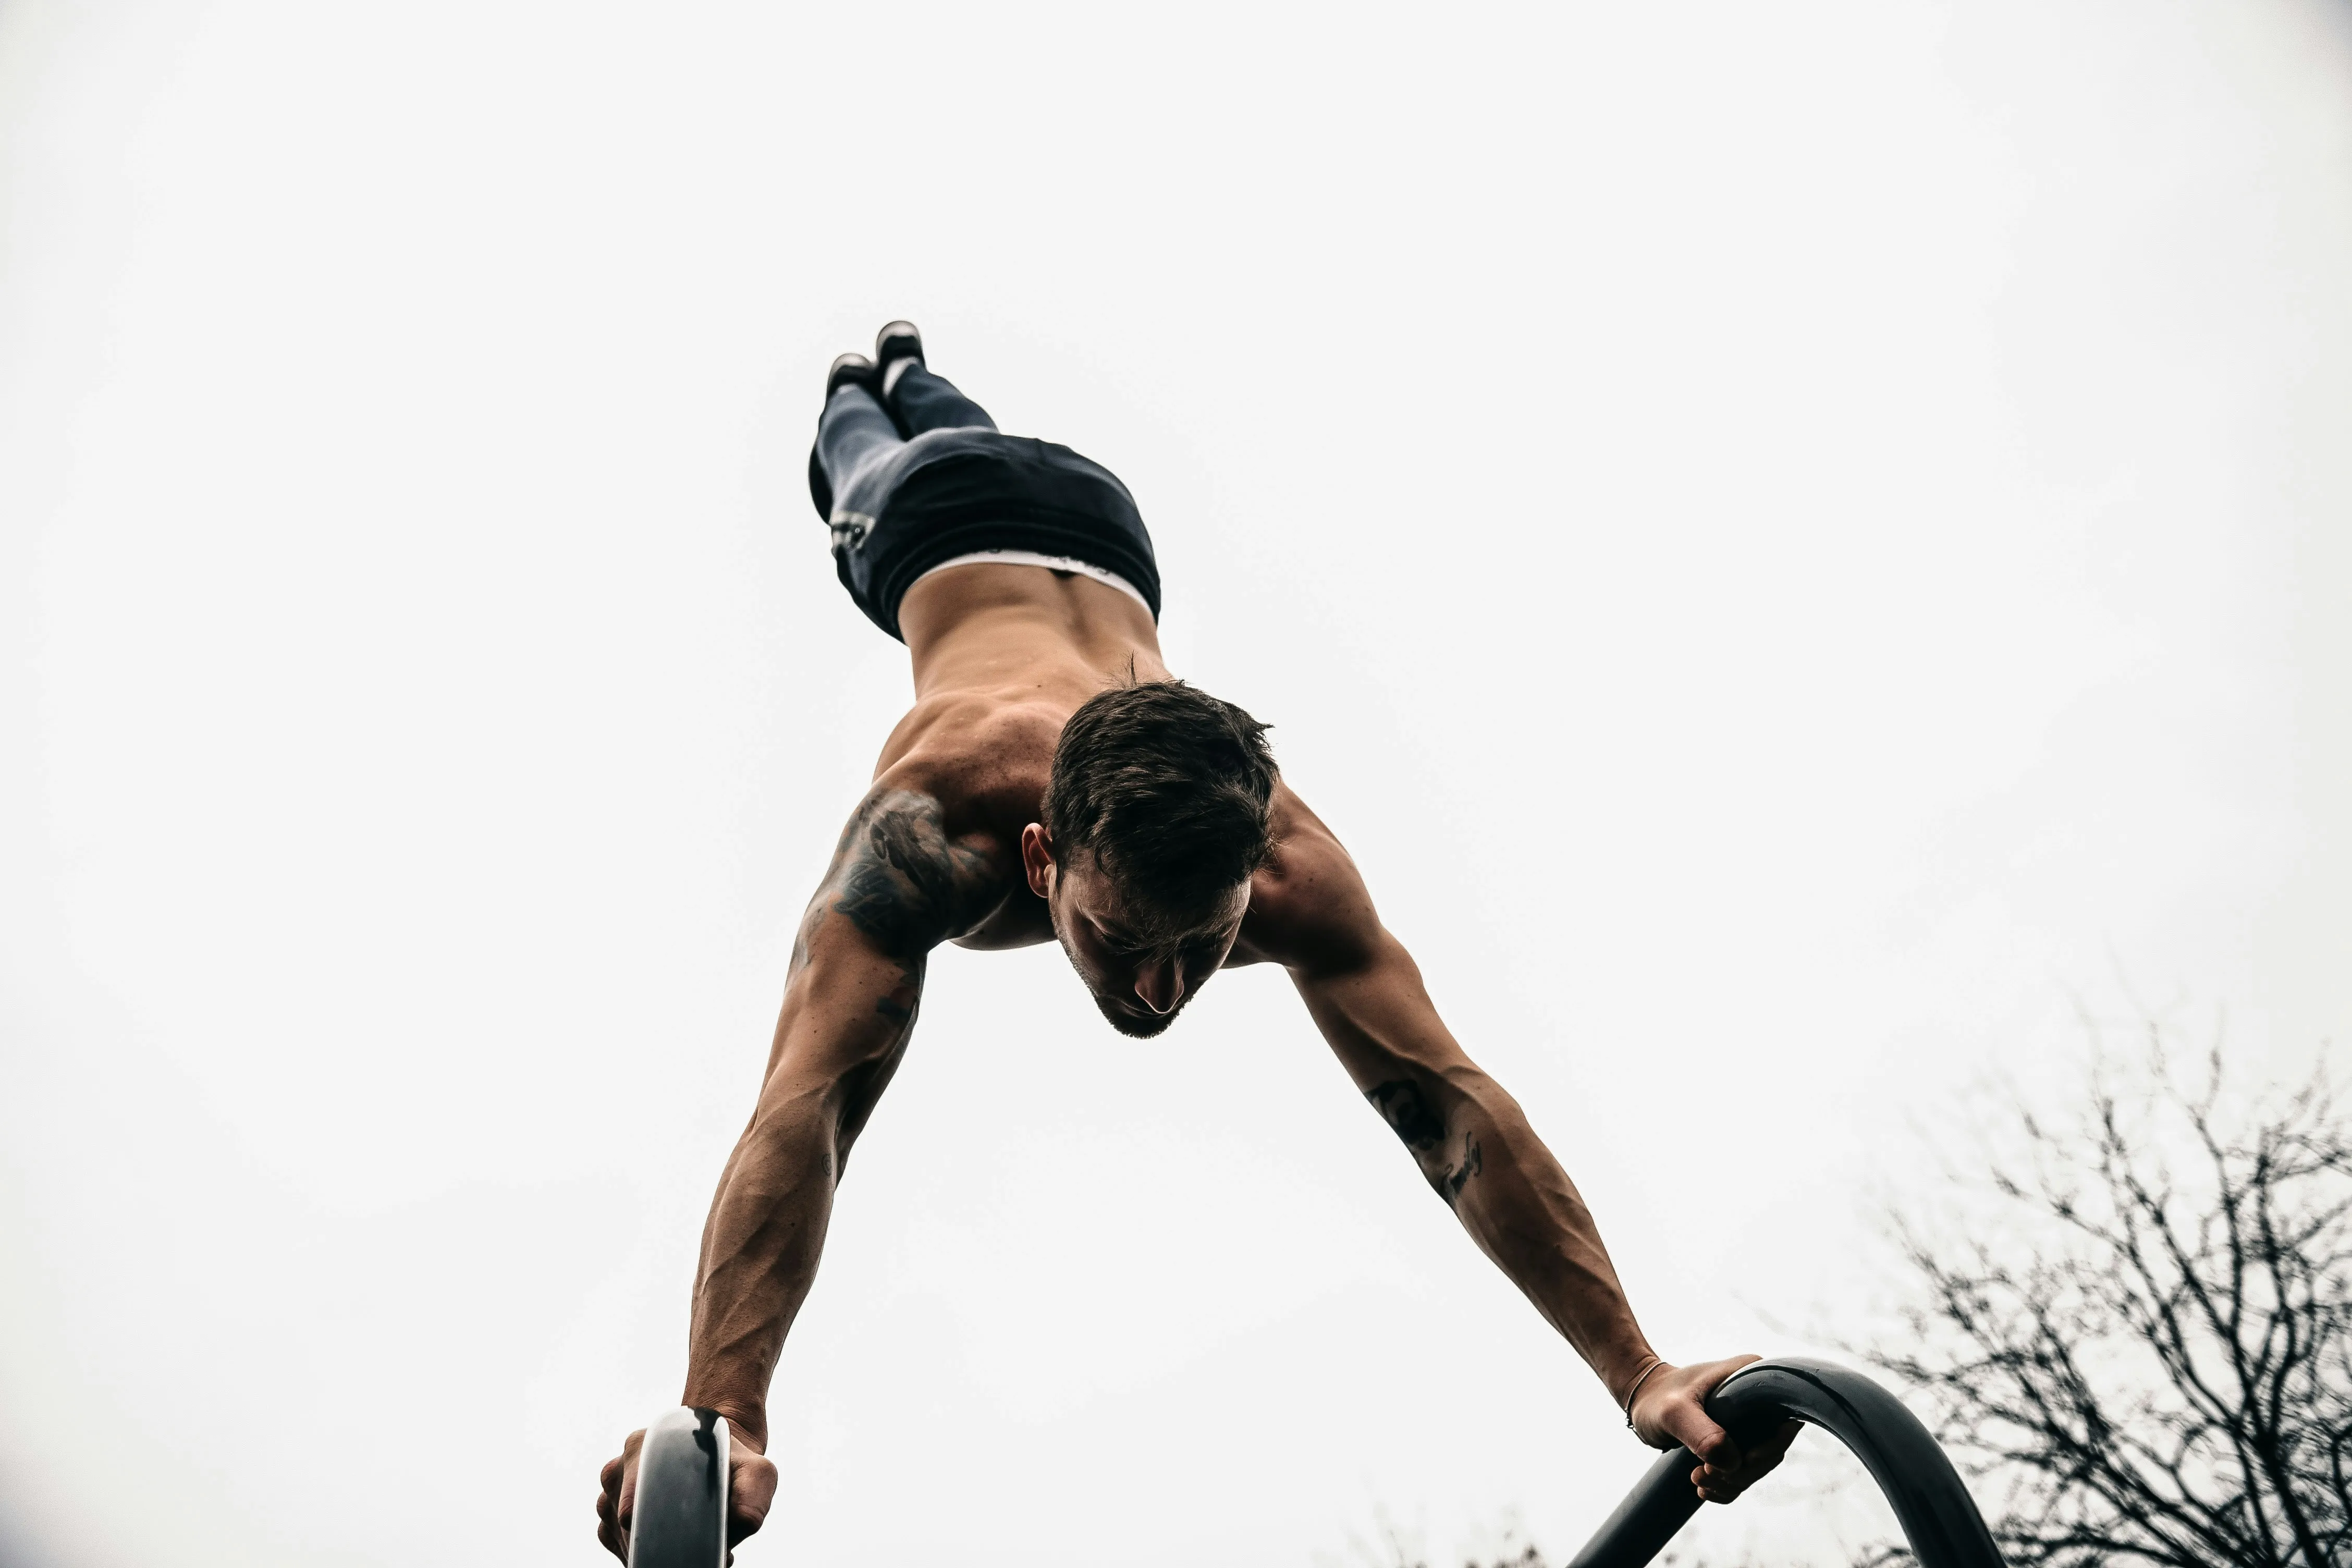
pixel 2153 1363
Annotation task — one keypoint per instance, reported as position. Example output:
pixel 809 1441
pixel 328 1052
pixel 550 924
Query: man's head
pixel 1155 817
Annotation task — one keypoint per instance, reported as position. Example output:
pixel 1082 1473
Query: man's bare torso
pixel 1003 656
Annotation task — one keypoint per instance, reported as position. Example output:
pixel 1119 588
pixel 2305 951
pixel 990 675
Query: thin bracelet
pixel 1656 1361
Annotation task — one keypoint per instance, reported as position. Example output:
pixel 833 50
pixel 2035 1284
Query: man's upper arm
pixel 899 884
pixel 1365 994
pixel 900 881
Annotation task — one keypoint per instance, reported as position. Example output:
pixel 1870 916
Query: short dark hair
pixel 1168 789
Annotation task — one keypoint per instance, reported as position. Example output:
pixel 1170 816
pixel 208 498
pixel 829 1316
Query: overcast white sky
pixel 1792 542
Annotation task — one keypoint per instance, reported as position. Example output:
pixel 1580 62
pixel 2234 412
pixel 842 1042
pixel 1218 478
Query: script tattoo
pixel 1409 1115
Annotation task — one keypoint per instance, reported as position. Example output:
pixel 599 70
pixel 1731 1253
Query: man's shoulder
pixel 1308 905
pixel 985 758
pixel 977 767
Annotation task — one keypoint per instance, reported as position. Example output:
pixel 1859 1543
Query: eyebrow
pixel 1117 935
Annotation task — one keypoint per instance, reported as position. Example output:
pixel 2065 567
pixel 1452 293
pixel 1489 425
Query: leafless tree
pixel 2142 1348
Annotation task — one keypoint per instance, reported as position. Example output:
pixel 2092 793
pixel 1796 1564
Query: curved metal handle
pixel 679 1518
pixel 1938 1517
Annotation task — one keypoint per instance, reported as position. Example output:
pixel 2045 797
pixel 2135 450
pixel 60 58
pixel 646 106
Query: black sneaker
pixel 851 370
pixel 896 342
pixel 848 369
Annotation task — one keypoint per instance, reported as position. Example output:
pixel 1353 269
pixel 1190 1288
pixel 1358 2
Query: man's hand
pixel 750 1487
pixel 1670 1408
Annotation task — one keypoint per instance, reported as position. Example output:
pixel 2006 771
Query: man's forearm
pixel 897 887
pixel 844 1025
pixel 759 1251
pixel 1476 1151
pixel 1520 1207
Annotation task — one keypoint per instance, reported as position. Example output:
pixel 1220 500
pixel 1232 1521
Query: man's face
pixel 1140 985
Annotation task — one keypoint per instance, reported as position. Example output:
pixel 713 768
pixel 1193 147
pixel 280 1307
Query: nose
pixel 1160 986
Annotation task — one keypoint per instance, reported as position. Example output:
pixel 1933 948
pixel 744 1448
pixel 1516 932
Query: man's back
pixel 1004 655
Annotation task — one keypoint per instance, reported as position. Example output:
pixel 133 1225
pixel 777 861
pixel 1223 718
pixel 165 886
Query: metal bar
pixel 1938 1516
pixel 679 1516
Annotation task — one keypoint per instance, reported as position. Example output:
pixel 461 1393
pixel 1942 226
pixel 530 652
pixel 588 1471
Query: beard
pixel 1133 1025
pixel 1134 1022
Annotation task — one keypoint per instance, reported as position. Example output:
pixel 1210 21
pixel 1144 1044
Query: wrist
pixel 1630 1366
pixel 746 1419
pixel 1645 1378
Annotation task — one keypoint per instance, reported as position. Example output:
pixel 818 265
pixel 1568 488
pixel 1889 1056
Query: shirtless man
pixel 1054 782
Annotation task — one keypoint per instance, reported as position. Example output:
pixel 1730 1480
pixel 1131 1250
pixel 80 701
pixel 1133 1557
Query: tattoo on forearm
pixel 1408 1114
pixel 862 1090
pixel 1458 1175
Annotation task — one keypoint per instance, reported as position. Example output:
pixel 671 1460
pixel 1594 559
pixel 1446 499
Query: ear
pixel 1037 859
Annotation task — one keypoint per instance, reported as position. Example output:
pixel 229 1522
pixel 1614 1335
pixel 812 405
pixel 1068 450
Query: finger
pixel 1688 1423
pixel 1685 1417
pixel 625 1506
pixel 1717 1484
pixel 1760 1455
pixel 1777 1442
pixel 1722 1483
pixel 751 1492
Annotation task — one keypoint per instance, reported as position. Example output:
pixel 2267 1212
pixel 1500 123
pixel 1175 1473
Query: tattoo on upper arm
pixel 907 887
pixel 1408 1114
pixel 901 880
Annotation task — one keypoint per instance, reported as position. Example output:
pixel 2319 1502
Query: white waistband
pixel 1051 563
